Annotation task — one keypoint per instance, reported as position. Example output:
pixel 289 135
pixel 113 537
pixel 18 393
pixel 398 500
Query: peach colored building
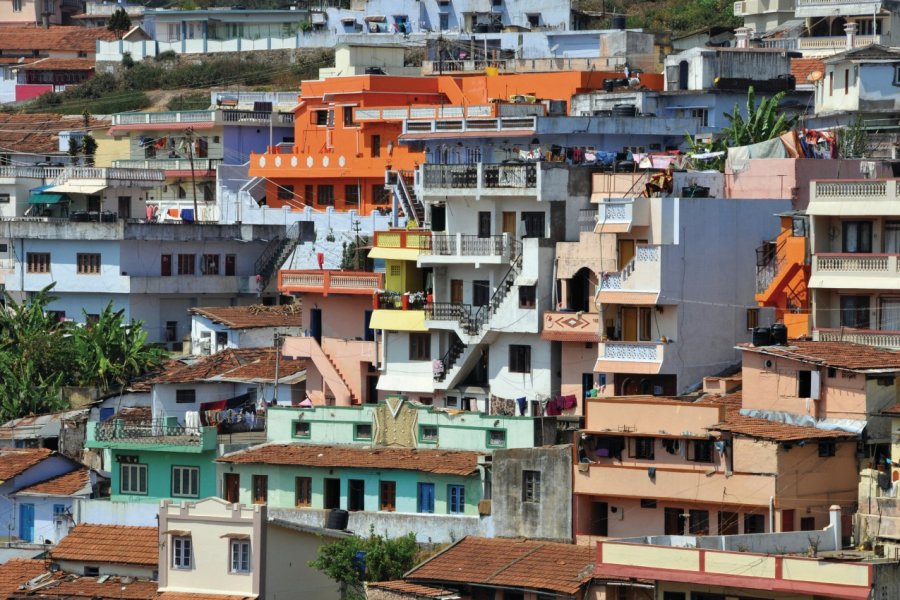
pixel 677 466
pixel 341 348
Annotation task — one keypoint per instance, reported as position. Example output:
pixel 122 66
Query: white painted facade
pixel 11 505
pixel 209 337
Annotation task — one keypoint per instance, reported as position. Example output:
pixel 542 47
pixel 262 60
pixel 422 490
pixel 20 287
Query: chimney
pixel 850 30
pixel 834 524
pixel 742 37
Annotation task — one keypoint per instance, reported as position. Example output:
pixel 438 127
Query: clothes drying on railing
pixel 227 411
pixel 192 419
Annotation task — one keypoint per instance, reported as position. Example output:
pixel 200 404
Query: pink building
pixel 338 342
pixel 676 466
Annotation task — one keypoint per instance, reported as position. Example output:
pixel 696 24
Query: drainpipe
pixel 834 522
pixel 771 514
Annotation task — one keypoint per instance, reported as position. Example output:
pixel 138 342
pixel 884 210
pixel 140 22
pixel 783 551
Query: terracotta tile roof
pixel 61 64
pixel 37 133
pixel 56 38
pixel 74 586
pixel 892 410
pixel 257 315
pixel 191 596
pixel 14 462
pixel 234 364
pixel 17 60
pixel 142 384
pixel 404 459
pixel 406 588
pixel 134 414
pixel 68 484
pixel 801 68
pixel 840 355
pixel 495 562
pixel 113 544
pixel 765 429
pixel 16 572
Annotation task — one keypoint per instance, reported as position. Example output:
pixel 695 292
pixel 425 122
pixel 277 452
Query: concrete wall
pixel 159 474
pixel 106 512
pixel 287 570
pixel 9 505
pixel 551 516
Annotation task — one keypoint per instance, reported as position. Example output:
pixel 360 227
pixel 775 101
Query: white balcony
pixel 843 8
pixel 859 198
pixel 866 337
pixel 174 117
pixel 630 357
pixel 639 282
pixel 193 284
pixel 819 45
pixel 201 165
pixel 470 249
pixel 855 271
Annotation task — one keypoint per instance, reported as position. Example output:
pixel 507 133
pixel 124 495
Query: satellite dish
pixel 815 76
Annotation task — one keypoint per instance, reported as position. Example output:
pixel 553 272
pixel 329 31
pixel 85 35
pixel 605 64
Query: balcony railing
pixel 460 125
pixel 169 164
pixel 395 301
pixel 150 432
pixel 31 172
pixel 856 263
pixel 867 337
pixel 834 43
pixel 502 246
pixel 412 240
pixel 480 175
pixel 646 253
pixel 190 116
pixel 633 351
pixel 251 117
pixel 401 113
pixel 325 282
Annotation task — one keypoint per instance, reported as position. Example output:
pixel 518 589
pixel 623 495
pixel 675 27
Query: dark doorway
pixel 356 494
pixel 332 493
pixel 231 488
pixel 315 324
pixel 580 288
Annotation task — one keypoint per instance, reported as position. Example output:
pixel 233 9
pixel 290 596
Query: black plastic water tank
pixel 779 334
pixel 338 519
pixel 618 22
pixel 762 336
pixel 624 110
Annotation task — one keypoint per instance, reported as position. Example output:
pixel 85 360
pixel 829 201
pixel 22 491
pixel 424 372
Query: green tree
pixel 853 140
pixel 383 559
pixel 89 146
pixel 74 149
pixel 355 255
pixel 763 122
pixel 119 23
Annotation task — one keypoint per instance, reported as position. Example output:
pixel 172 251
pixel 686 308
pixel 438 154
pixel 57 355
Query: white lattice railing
pixel 633 351
pixel 850 189
pixel 855 263
pixel 645 253
pixel 881 339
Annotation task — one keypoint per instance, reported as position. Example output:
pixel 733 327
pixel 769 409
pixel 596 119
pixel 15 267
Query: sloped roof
pixel 16 461
pixel 872 52
pixel 802 68
pixel 55 38
pixel 839 355
pixel 250 317
pixel 16 572
pixel 112 544
pixel 67 585
pixel 38 426
pixel 404 459
pixel 68 484
pixel 37 133
pixel 416 590
pixel 60 64
pixel 233 364
pixel 192 596
pixel 515 563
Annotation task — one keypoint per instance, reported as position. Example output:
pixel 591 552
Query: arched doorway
pixel 837 27
pixel 581 289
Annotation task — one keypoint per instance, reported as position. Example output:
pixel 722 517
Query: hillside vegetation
pixel 675 16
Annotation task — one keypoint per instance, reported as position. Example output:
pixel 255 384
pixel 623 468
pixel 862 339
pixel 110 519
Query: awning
pixel 398 320
pixel 347 20
pixel 395 253
pixel 235 536
pixel 177 532
pixel 523 280
pixel 376 18
pixel 71 188
pixel 406 383
pixel 47 199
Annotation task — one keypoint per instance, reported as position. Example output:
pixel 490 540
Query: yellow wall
pixel 109 148
pixel 402 276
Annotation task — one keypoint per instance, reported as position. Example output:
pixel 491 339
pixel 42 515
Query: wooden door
pixel 509 223
pixel 456 291
pixel 165 265
pixel 484 224
pixel 229 264
pixel 626 252
pixel 787 519
pixel 231 487
pixel 629 324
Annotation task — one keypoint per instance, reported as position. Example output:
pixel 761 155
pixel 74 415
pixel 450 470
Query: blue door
pixel 26 522
pixel 426 497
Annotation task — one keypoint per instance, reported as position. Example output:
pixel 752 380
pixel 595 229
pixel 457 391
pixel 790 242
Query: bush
pixel 166 56
pixel 194 101
pixel 127 61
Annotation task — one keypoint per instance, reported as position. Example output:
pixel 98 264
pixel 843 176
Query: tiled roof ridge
pixel 516 561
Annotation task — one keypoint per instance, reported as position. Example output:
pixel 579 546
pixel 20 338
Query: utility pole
pixel 190 138
pixel 279 340
pixel 356 228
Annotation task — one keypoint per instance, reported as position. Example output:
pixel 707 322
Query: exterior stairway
pixel 307 347
pixel 400 183
pixel 274 255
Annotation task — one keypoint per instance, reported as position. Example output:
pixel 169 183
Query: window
pixel 356 494
pixel 534 224
pixel 260 491
pixel 807 523
pixel 644 448
pixel 348 117
pixel 443 21
pixel 285 192
pixel 496 438
pixel 362 431
pixel 831 83
pixel 351 195
pixel 699 522
pixel 855 311
pixel 91 571
pixel 808 384
pixel 827 449
pixel 752 318
pixel 456 499
pixel 87 264
pixel 17 5
pixel 380 195
pixel 165 265
pixel 210 264
pixel 133 479
pixel 301 429
pixel 645 324
pixel 857 237
pixel 673 521
pixel 428 434
pixel 230 260
pixel 481 292
pixel 376 146
pixel 754 523
pixel 419 346
pixel 321 117
pixel 648 503
pixel 186 264
pixel 728 522
pixel 303 491
pixel 832 372
pixel 185 396
pixel 527 296
pixel 181 553
pixel 534 20
pixel 531 486
pixel 387 495
pixel 240 556
pixel 325 195
pixel 171 330
pixel 396 270
pixel 37 262
pixel 59 510
pixel 846 81
pixel 426 498
pixel 186 482
pixel 4 198
pixel 519 358
pixel 701 451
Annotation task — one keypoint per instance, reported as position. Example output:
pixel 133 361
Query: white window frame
pixel 140 473
pixel 179 473
pixel 240 556
pixel 182 553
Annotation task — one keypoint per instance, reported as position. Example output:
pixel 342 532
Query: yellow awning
pixel 405 384
pixel 398 320
pixel 395 253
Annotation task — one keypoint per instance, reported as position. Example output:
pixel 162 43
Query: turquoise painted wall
pixel 159 474
pixel 282 486
pixel 462 431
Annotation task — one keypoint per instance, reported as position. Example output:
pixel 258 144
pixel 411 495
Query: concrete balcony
pixel 827 8
pixel 193 284
pixel 168 117
pixel 162 435
pixel 470 249
pixel 699 484
pixel 819 45
pixel 571 326
pixel 619 216
pixel 639 282
pixel 850 198
pixel 202 166
pixel 442 113
pixel 425 128
pixel 630 357
pixel 761 7
pixel 480 178
pixel 89 175
pixel 255 117
pixel 855 271
pixel 867 337
pixel 329 282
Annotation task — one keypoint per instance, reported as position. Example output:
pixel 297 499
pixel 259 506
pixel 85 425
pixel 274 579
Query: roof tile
pixel 68 484
pixel 74 586
pixel 257 315
pixel 14 461
pixel 412 589
pixel 840 355
pixel 233 364
pixel 112 544
pixel 55 38
pixel 16 572
pixel 36 133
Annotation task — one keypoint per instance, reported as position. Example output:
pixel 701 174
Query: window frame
pixel 363 438
pixel 37 262
pixel 707 456
pixel 520 358
pixel 352 194
pixel 387 495
pixel 638 450
pixel 827 449
pixel 182 395
pixel 187 264
pixel 176 476
pixel 325 194
pixel 490 443
pixel 182 553
pixel 456 499
pixel 531 486
pixel 527 296
pixel 243 565
pixel 419 346
pixel 87 263
pixel 210 264
pixel 303 492
pixel 143 473
pixel 302 436
pixel 255 487
pixel 426 440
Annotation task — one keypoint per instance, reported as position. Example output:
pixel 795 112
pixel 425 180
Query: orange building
pixel 346 130
pixel 783 275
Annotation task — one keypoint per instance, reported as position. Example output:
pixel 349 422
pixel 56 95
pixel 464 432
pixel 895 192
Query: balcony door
pixel 892 237
pixel 626 252
pixel 857 237
pixel 484 224
pixel 855 311
pixel 509 223
pixel 332 493
pixel 630 324
pixel 456 291
pixel 231 487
